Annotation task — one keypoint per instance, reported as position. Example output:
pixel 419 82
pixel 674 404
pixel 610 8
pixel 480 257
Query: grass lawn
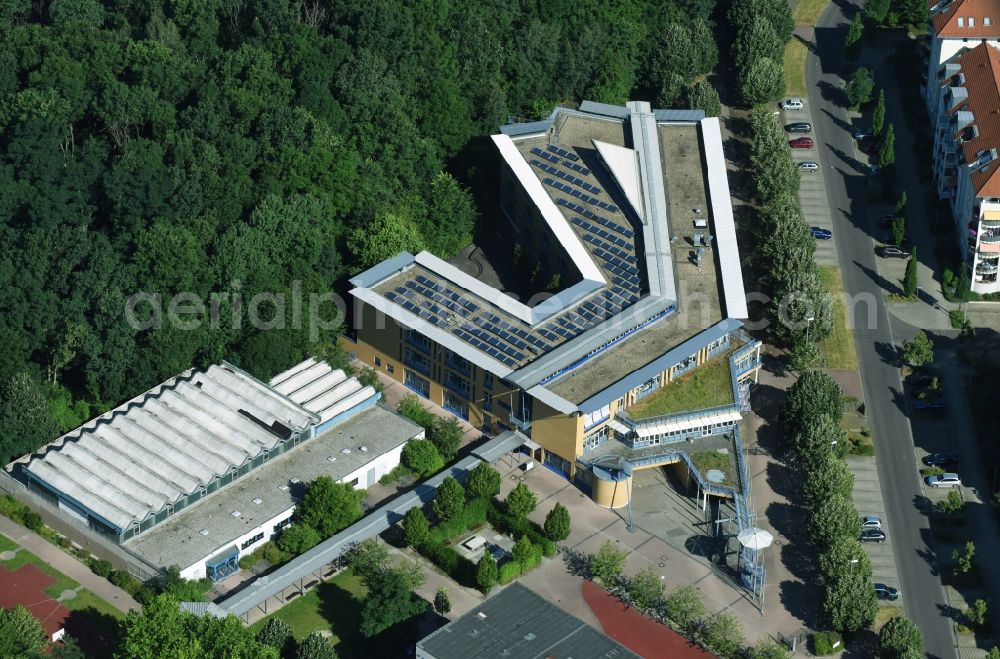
pixel 333 605
pixel 795 68
pixel 707 460
pixel 838 348
pixel 886 613
pixel 808 11
pixel 706 386
pixel 24 556
pixel 6 544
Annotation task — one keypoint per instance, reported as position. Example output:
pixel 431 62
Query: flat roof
pixel 161 446
pixel 178 540
pixel 517 622
pixel 627 228
pixel 699 303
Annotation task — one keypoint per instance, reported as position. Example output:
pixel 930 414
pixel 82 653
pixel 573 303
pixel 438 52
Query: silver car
pixel 808 166
pixel 944 480
pixel 871 522
pixel 791 104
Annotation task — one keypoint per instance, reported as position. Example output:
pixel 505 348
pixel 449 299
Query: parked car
pixel 892 252
pixel 799 127
pixel 929 403
pixel 871 522
pixel 944 460
pixel 867 147
pixel 802 143
pixel 922 379
pixel 819 233
pixel 808 166
pixel 791 104
pixel 872 535
pixel 884 592
pixel 948 479
pixel 874 168
pixel 862 134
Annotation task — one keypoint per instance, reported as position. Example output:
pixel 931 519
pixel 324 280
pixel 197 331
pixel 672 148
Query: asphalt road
pixel 922 593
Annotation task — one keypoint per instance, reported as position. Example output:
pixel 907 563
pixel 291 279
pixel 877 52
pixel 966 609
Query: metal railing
pixel 636 424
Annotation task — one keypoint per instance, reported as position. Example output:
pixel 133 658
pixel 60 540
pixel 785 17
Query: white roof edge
pixel 689 422
pixel 720 200
pixel 448 340
pixel 623 163
pixel 555 220
pixel 554 401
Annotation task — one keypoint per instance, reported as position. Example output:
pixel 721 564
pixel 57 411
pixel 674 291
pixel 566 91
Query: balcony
pixel 457 364
pixel 417 362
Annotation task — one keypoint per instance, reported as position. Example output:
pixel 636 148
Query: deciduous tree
pixel 415 527
pixel 390 600
pixel 878 114
pixel 849 603
pixel 521 501
pixel 486 573
pixel 607 564
pixel 483 481
pixel 919 351
pixel 557 523
pixel 449 500
pixel 329 506
pixel 897 637
pixel 421 457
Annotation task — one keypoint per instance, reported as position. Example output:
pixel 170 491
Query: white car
pixel 871 522
pixel 791 104
pixel 944 480
pixel 808 166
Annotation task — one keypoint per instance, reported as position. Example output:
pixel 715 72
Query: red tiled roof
pixel 981 67
pixel 26 586
pixel 945 21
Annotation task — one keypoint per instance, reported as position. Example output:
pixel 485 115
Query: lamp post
pixel 853 562
pixel 809 321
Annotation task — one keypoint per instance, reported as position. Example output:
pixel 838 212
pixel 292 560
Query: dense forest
pixel 248 146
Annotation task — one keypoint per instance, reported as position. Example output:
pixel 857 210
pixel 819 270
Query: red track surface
pixel 635 631
pixel 26 586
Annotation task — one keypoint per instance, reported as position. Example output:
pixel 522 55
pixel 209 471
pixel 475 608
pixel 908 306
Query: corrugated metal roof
pixel 165 444
pixel 387 268
pixel 726 247
pixel 679 115
pixel 605 109
pixel 529 128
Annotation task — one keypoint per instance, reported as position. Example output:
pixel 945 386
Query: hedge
pixel 515 526
pixel 509 571
pixel 449 561
pixel 473 515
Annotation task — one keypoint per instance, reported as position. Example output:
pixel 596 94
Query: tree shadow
pixel 342 612
pixel 837 120
pixel 856 166
pixel 879 280
pixel 801 601
pixel 833 94
pixel 577 562
pixel 98 634
pixel 862 644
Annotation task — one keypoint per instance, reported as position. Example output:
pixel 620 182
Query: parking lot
pixel 867 497
pixel 812 191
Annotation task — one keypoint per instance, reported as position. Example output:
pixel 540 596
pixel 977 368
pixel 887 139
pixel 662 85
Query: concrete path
pixel 68 565
pixel 867 497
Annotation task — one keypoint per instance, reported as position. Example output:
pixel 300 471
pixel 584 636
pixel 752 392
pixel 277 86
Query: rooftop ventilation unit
pixel 481 615
pixel 363 449
pixel 345 451
pixel 294 481
pixel 283 488
pixel 331 458
pixel 236 514
pixel 203 531
pixel 258 501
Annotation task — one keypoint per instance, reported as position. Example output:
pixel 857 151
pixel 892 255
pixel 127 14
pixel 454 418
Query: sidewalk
pixel 68 565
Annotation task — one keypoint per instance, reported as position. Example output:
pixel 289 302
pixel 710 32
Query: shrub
pixel 521 501
pixel 442 603
pixel 474 514
pixel 100 567
pixel 822 643
pixel 411 408
pixel 486 573
pixel 607 564
pixel 557 523
pixel 65 542
pixel 144 594
pixel 483 481
pixel 509 571
pixel 415 527
pixel 32 520
pixel 421 457
pixel 449 500
pixel 125 581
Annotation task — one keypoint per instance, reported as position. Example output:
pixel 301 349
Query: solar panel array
pixel 591 215
pixel 563 152
pixel 575 180
pixel 545 154
pixel 576 167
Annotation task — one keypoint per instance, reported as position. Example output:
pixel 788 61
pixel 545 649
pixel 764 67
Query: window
pixel 487 402
pixel 488 380
pixel 282 524
pixel 378 363
pixel 353 482
pixel 961 22
pixel 250 541
pixel 987 21
pixel 390 368
pixel 593 440
pixel 972 21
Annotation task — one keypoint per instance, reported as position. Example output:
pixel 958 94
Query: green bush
pixel 932 471
pixel 65 542
pixel 100 567
pixel 450 562
pixel 125 581
pixel 517 526
pixel 144 594
pixel 32 520
pixel 11 507
pixel 822 643
pixel 473 515
pixel 509 571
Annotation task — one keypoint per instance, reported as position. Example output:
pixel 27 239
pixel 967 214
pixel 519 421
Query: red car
pixel 802 143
